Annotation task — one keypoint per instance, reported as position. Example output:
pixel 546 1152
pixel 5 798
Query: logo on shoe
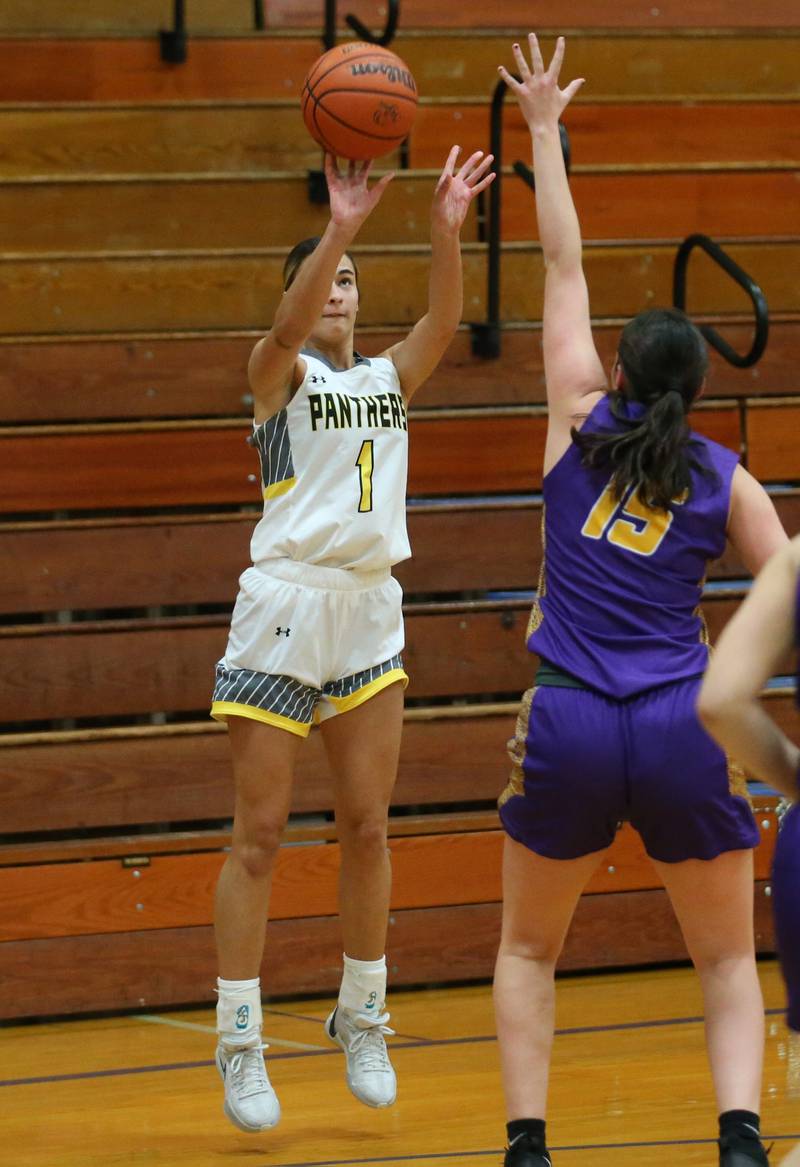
pixel 370 1002
pixel 243 1017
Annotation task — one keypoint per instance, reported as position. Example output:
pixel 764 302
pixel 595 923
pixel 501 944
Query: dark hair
pixel 664 360
pixel 301 252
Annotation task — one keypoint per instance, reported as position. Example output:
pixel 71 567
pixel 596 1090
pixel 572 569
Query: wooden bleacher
pixel 143 244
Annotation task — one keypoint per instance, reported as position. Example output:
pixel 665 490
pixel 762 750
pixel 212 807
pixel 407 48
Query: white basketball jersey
pixel 334 465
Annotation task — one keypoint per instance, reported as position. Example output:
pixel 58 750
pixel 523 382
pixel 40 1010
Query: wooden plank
pixel 76 899
pixel 137 849
pixel 616 134
pixel 120 378
pixel 146 468
pixel 175 292
pixel 168 666
pixel 123 777
pixel 73 379
pixel 82 671
pixel 225 15
pixel 426 946
pixel 221 212
pixel 772 440
pixel 444 64
pixel 156 561
pixel 470 547
pixel 65 141
pixel 177 891
pixel 114 778
pixel 551 14
pixel 157 466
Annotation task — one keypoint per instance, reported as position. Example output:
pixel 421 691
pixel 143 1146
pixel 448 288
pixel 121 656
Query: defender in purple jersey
pixel 753 647
pixel 636 504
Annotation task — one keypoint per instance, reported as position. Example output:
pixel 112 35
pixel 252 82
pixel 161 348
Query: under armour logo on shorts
pixel 282 631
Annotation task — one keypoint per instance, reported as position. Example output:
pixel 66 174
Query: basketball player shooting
pixel 317 629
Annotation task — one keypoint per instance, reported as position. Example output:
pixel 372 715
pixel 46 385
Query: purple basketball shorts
pixel 584 763
pixel 786 905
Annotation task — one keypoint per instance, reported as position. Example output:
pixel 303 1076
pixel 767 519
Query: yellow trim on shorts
pixel 222 710
pixel 343 704
pixel 276 489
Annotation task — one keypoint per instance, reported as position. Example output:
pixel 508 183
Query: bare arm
pixel 273 366
pixel 754 527
pixel 572 367
pixel 752 646
pixel 419 353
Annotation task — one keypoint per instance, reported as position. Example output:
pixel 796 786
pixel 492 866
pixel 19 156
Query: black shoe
pixel 526 1151
pixel 737 1151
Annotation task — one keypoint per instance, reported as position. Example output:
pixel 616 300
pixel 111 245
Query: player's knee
pixel 364 834
pixel 257 847
pixel 728 962
pixel 539 948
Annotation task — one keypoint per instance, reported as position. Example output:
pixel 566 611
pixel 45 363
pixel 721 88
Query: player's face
pixel 339 314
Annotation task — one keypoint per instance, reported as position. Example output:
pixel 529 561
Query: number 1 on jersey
pixel 364 462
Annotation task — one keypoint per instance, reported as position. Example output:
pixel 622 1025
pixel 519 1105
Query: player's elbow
pixel 717 708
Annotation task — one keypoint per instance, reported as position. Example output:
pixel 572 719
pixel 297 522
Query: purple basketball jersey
pixel 786 886
pixel 618 603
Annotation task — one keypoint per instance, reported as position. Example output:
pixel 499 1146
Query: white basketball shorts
pixel 307 642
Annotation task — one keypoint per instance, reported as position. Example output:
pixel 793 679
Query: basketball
pixel 359 101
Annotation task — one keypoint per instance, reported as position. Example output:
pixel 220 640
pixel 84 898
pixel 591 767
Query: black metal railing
pixel 361 30
pixel 174 41
pixel 486 333
pixel 739 276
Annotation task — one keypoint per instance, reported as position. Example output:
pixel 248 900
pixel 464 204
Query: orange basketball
pixel 359 101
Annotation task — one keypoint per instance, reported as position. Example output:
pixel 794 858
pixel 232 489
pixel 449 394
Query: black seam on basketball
pixel 370 93
pixel 357 129
pixel 323 141
pixel 349 61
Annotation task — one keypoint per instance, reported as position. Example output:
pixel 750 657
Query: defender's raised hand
pixel 540 99
pixel 455 190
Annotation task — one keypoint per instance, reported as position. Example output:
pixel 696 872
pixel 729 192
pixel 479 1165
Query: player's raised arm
pixel 272 368
pixel 417 356
pixel 572 366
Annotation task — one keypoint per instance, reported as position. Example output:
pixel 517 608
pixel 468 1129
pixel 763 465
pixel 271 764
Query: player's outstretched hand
pixel 540 99
pixel 351 198
pixel 456 189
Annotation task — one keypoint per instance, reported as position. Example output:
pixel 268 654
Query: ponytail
pixel 664 361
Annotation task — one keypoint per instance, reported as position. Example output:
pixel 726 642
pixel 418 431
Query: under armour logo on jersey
pixel 316 379
pixel 282 631
pixel 243 1017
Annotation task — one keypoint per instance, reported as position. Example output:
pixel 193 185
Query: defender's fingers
pixel 536 54
pixel 510 81
pixel 573 88
pixel 522 64
pixel 558 59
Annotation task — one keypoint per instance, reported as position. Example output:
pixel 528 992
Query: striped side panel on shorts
pixel 283 696
pixel 349 685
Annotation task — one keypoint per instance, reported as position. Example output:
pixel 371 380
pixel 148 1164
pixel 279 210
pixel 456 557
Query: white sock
pixel 239 1016
pixel 363 987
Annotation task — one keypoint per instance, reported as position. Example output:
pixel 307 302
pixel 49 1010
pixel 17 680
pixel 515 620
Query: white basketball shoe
pixel 250 1101
pixel 369 1072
